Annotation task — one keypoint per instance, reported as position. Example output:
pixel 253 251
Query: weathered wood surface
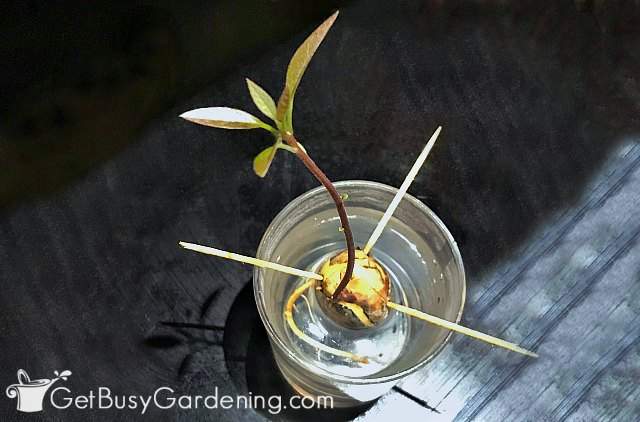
pixel 571 293
pixel 536 174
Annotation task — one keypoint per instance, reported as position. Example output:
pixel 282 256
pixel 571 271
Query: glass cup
pixel 425 270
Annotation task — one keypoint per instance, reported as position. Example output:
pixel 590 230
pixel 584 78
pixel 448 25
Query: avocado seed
pixel 363 302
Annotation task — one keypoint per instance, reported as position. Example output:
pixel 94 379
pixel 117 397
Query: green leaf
pixel 262 99
pixel 285 110
pixel 225 118
pixel 297 66
pixel 262 161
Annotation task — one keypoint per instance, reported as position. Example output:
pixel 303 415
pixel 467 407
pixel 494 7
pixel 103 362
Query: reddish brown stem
pixel 342 212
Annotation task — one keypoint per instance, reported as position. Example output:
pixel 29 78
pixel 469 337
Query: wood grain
pixel 537 177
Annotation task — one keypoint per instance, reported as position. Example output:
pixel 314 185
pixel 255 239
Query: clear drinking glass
pixel 425 270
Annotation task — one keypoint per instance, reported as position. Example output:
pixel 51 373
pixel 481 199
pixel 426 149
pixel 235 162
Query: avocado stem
pixel 342 212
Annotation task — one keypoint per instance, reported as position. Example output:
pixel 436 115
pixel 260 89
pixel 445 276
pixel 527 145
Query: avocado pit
pixel 363 302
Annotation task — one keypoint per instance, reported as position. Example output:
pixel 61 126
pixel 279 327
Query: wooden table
pixel 536 174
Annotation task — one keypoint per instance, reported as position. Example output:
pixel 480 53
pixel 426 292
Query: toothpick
pixel 460 329
pixel 401 192
pixel 250 260
pixel 311 275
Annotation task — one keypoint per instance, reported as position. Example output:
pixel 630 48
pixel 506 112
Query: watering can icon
pixel 30 392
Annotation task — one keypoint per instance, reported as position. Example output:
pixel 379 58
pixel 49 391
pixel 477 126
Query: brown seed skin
pixel 368 290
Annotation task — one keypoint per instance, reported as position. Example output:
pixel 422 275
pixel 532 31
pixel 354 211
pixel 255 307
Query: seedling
pixel 282 116
pixel 353 287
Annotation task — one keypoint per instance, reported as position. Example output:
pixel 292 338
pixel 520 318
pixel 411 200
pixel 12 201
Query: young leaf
pixel 262 162
pixel 225 118
pixel 262 99
pixel 297 66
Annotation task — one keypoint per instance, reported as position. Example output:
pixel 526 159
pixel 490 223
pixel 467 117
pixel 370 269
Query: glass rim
pixel 273 336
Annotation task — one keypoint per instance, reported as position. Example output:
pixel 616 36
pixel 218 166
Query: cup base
pixel 339 400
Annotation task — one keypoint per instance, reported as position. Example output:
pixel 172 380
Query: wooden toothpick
pixel 460 329
pixel 401 192
pixel 250 260
pixel 443 323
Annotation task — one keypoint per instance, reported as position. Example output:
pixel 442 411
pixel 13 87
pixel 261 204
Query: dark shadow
pixel 252 367
pixel 75 92
pixel 185 339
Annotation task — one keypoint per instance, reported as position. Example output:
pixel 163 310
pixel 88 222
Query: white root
pixel 288 316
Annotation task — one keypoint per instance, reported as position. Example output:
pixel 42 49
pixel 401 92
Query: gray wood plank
pixel 570 295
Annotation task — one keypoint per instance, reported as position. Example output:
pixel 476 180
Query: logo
pixel 30 393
